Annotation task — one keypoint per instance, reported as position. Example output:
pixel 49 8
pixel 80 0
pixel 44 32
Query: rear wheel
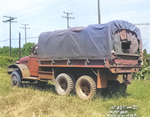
pixel 85 87
pixel 64 84
pixel 15 79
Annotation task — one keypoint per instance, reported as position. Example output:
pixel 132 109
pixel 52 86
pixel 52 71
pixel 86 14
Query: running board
pixel 30 78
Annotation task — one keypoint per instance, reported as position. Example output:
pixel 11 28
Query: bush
pixel 144 73
pixel 6 61
pixel 25 51
pixel 27 48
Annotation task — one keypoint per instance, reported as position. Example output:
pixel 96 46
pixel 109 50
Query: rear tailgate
pixel 125 63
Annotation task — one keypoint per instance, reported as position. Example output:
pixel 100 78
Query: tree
pixel 4 51
pixel 15 52
pixel 145 54
pixel 27 48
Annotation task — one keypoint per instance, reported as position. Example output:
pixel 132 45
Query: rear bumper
pixel 124 66
pixel 124 69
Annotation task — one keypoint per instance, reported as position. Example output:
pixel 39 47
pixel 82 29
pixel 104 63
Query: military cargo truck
pixel 83 59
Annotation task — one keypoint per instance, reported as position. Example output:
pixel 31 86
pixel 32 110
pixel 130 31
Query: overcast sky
pixel 46 15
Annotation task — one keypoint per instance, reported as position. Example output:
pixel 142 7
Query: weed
pixel 35 100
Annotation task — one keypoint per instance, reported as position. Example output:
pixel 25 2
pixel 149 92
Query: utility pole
pixel 67 17
pixel 19 45
pixel 99 17
pixel 25 28
pixel 10 21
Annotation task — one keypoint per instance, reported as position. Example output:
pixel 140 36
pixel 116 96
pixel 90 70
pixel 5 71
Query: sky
pixel 46 15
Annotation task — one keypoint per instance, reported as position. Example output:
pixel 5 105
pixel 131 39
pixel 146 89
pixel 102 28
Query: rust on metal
pixel 124 69
pixel 45 75
pixel 33 66
pixel 78 66
pixel 101 79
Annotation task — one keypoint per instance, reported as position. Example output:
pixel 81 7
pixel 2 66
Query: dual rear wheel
pixel 85 86
pixel 64 84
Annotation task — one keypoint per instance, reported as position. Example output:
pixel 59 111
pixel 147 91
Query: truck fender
pixel 22 67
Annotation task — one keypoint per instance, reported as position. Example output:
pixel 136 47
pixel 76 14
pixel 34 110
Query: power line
pixel 10 21
pixel 67 17
pixel 17 39
pixel 4 40
pixel 25 28
pixel 142 24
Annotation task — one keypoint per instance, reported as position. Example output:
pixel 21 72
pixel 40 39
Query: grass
pixel 34 101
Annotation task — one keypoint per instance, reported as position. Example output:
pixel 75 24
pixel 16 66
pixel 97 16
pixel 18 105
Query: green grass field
pixel 34 101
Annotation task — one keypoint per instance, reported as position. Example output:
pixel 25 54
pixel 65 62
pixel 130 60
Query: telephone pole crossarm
pixel 67 17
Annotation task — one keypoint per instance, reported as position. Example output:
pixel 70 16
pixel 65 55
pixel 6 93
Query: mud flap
pixel 128 79
pixel 101 79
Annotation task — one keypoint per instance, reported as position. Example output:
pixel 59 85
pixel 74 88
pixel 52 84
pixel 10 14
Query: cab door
pixel 33 63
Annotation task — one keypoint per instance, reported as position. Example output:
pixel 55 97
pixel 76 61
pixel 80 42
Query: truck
pixel 83 59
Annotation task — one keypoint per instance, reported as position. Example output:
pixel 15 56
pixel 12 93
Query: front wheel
pixel 15 79
pixel 64 84
pixel 85 87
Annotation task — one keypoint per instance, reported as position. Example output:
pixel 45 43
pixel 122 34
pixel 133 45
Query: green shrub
pixel 144 73
pixel 6 61
pixel 25 51
pixel 27 48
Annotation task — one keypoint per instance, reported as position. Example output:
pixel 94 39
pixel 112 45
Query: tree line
pixel 25 50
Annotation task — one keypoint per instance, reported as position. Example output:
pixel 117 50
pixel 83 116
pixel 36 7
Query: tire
pixel 85 87
pixel 64 84
pixel 15 79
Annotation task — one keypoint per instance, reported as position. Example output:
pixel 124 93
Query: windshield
pixel 34 50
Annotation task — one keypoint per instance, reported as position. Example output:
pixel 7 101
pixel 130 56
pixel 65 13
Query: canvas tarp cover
pixel 92 42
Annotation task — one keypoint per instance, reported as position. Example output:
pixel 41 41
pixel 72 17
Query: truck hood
pixel 24 60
